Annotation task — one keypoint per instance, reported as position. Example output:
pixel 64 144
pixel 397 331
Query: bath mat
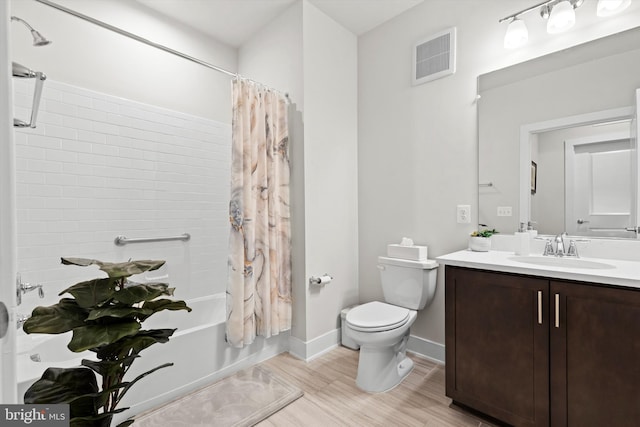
pixel 243 399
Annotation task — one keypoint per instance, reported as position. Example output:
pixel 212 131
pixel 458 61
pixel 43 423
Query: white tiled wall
pixel 97 167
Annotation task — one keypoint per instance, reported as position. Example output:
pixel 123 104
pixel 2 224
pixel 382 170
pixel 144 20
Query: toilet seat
pixel 377 316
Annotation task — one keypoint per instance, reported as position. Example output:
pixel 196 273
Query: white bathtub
pixel 197 349
pixel 37 352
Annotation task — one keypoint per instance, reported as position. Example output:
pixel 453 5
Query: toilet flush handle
pixel 381 267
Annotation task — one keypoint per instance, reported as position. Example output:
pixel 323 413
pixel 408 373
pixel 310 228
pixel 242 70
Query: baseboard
pixel 425 348
pixel 308 350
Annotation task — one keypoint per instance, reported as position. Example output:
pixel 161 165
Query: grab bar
pixel 122 240
pixel 23 72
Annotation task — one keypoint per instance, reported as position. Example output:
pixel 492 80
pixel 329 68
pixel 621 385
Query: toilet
pixel 381 329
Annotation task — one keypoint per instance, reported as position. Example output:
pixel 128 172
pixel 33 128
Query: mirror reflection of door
pixel 552 206
pixel 598 177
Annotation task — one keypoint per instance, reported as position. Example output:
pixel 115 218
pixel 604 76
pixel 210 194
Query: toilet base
pixel 380 369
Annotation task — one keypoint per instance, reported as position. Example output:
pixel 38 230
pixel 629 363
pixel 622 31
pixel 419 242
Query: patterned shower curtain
pixel 259 288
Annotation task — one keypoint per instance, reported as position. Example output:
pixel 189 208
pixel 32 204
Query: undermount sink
pixel 562 262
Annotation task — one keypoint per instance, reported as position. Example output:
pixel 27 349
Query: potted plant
pixel 480 241
pixel 105 315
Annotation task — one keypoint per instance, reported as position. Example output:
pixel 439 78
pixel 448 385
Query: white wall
pixel 331 166
pixel 92 57
pixel 417 151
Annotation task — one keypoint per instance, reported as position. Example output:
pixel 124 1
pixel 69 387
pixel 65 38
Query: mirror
pixel 530 112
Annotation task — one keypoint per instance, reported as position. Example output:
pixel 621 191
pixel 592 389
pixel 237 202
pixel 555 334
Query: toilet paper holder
pixel 321 280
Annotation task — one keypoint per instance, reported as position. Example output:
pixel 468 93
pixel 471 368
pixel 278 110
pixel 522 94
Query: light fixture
pixel 560 14
pixel 562 17
pixel 516 35
pixel 611 7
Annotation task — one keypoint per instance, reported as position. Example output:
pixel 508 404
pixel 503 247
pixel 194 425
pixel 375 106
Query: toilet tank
pixel 406 283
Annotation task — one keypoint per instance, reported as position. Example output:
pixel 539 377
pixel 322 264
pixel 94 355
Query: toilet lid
pixel 377 316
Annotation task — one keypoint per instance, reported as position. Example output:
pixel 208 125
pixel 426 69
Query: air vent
pixel 434 57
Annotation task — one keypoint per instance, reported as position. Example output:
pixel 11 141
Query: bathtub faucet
pixel 21 319
pixel 23 288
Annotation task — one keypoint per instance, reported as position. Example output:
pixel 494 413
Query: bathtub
pixel 197 349
pixel 36 352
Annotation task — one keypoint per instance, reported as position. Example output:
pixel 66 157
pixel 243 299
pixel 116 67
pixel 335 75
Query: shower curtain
pixel 259 287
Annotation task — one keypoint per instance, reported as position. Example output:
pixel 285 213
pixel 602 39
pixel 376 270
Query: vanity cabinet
pixel 531 351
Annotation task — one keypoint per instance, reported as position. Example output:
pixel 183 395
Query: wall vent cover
pixel 434 57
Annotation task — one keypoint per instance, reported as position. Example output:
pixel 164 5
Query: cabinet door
pixel 497 344
pixel 595 356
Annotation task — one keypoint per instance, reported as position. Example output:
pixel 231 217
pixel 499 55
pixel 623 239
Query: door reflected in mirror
pixel 583 185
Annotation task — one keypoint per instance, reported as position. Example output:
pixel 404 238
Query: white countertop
pixel 623 273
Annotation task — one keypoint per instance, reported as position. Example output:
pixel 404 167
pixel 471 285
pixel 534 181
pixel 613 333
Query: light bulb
pixel 516 35
pixel 562 18
pixel 611 7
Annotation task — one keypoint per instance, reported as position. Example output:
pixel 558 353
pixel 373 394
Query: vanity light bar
pixel 560 16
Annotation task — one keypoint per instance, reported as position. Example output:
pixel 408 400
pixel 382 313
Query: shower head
pixel 38 39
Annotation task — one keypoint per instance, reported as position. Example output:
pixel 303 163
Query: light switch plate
pixel 504 211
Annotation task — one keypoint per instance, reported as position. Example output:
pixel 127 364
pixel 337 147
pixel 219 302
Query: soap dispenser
pixel 522 240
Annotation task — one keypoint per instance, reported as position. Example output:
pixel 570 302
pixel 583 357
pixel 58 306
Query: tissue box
pixel 414 253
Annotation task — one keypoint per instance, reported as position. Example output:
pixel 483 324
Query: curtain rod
pixel 135 37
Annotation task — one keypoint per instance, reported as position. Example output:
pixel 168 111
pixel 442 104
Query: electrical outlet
pixel 464 214
pixel 504 211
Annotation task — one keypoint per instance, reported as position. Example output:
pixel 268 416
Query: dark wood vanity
pixel 539 351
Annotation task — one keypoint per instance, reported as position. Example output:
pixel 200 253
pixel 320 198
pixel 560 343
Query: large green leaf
pixel 65 385
pixel 108 367
pixel 93 293
pixel 94 336
pixel 56 319
pixel 82 262
pixel 129 268
pixel 162 304
pixel 117 269
pixel 143 292
pixel 134 344
pixel 120 312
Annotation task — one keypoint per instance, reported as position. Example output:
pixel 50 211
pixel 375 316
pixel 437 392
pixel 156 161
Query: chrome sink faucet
pixel 560 249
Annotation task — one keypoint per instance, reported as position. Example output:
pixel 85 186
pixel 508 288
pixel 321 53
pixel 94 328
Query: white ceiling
pixel 235 21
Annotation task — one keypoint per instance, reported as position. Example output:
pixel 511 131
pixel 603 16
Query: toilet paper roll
pixel 322 280
pixel 325 279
